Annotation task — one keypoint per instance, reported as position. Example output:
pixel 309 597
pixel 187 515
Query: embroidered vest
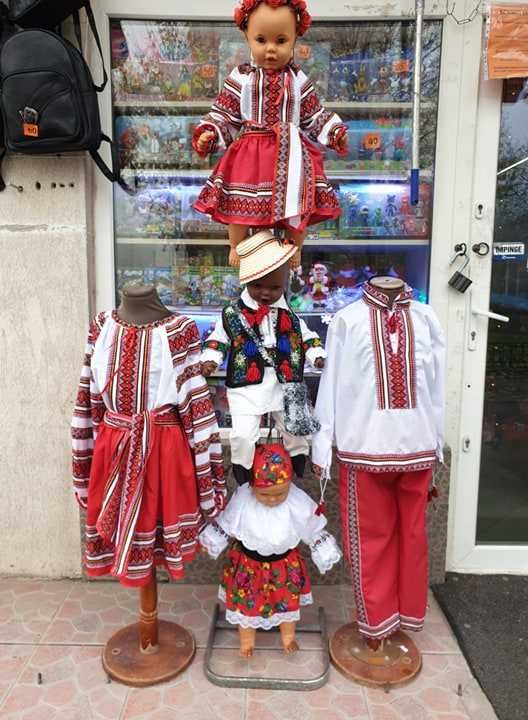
pixel 245 364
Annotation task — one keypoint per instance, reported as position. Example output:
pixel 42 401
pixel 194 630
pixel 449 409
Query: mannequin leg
pixel 237 233
pixel 247 640
pixel 412 491
pixel 287 632
pixel 244 434
pixel 369 518
pixel 297 238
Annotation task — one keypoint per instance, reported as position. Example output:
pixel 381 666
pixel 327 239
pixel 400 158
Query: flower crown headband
pixel 304 19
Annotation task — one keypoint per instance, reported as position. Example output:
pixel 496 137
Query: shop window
pixel 166 74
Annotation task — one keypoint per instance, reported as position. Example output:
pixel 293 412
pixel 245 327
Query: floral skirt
pixel 264 594
pixel 245 187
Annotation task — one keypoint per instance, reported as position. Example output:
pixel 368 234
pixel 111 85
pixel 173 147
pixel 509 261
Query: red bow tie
pixel 255 317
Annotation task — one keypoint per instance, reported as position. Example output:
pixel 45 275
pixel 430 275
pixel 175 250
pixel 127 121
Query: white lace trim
pixel 260 623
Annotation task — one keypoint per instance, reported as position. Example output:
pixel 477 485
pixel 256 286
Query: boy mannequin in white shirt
pixel 255 387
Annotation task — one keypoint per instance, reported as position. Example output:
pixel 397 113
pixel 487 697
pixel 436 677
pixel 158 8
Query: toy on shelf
pixel 383 210
pixel 377 146
pixel 318 282
pixel 154 211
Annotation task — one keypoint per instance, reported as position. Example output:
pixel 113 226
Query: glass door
pixel 502 514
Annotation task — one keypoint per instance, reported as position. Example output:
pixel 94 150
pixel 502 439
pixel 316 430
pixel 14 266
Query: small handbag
pixel 299 415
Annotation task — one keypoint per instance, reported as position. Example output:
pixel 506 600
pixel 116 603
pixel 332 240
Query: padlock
pixel 458 281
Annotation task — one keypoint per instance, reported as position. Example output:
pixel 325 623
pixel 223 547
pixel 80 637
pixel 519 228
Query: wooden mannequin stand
pixel 396 661
pixel 150 651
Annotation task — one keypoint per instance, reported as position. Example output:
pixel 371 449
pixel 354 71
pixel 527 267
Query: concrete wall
pixel 45 269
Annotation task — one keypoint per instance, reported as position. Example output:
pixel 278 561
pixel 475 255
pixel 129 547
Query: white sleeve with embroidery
pixel 312 343
pixel 216 345
pixel 438 388
pixel 224 118
pixel 323 439
pixel 320 124
pixel 88 412
pixel 213 539
pixel 199 421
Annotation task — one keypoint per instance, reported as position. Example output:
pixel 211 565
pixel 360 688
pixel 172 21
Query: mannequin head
pixel 386 282
pixel 271 28
pixel 268 289
pixel 272 474
pixel 391 286
pixel 271 34
pixel 272 496
pixel 141 304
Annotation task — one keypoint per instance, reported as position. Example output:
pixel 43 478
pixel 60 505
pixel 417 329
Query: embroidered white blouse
pixel 268 395
pixel 135 368
pixel 272 530
pixel 381 396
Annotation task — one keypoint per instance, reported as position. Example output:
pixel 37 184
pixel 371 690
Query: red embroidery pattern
pixel 395 371
pixel 351 538
pixel 281 173
pixel 389 463
pixel 273 83
pixel 171 546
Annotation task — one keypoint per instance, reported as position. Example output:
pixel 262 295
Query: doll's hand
pixel 317 470
pixel 204 140
pixel 319 363
pixel 208 367
pixel 342 144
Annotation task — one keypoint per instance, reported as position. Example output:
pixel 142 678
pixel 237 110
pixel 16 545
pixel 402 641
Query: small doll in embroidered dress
pixel 254 386
pixel 264 579
pixel 272 175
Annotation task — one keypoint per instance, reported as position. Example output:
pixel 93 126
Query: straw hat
pixel 261 254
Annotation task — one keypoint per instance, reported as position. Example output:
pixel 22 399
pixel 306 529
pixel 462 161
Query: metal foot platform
pixel 217 623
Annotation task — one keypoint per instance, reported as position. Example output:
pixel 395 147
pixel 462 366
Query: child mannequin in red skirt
pixel 272 174
pixel 265 580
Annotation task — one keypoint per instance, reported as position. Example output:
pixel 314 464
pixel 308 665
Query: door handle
pixel 490 315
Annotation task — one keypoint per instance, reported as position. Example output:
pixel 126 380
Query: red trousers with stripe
pixel 383 517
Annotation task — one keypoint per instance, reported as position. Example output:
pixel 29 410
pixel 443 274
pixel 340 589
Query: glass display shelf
pixel 309 241
pixel 166 74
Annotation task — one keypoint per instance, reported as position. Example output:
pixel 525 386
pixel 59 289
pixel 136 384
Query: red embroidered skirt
pixel 169 518
pixel 264 594
pixel 244 186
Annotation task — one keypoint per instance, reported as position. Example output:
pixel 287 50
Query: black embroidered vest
pixel 245 364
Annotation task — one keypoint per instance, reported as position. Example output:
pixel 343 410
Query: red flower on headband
pixel 304 19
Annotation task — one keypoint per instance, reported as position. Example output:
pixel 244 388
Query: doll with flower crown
pixel 264 578
pixel 268 119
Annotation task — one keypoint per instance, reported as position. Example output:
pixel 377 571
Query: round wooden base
pixel 396 662
pixel 124 661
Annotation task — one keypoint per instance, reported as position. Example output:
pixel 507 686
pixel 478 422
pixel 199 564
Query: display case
pixel 166 74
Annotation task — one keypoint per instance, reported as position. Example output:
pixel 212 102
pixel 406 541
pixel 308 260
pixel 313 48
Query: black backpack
pixel 48 97
pixel 43 13
pixel 6 30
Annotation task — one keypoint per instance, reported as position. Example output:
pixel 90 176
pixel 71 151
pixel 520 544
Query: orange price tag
pixel 30 130
pixel 400 66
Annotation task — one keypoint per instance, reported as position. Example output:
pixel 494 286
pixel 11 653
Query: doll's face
pixel 273 495
pixel 268 289
pixel 271 35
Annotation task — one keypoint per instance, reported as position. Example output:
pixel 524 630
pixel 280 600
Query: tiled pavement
pixel 57 629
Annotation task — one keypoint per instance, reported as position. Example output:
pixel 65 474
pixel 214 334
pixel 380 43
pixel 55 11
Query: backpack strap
pixel 93 27
pixel 114 174
pixel 2 156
